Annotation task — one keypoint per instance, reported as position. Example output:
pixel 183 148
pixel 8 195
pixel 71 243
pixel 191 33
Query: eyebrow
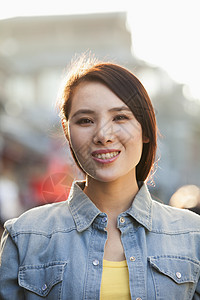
pixel 89 111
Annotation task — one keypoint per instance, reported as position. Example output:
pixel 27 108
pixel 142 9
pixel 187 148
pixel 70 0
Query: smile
pixel 106 155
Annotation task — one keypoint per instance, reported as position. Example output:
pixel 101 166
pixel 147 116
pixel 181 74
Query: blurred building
pixel 33 54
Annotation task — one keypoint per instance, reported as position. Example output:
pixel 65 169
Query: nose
pixel 103 134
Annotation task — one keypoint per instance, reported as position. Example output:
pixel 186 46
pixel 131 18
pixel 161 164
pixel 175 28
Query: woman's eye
pixel 84 121
pixel 121 118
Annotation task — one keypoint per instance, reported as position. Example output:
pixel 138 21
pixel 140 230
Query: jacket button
pixel 132 258
pixel 122 220
pixel 44 287
pixel 178 275
pixel 104 219
pixel 138 298
pixel 95 262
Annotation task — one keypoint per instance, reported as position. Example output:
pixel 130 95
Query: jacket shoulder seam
pixel 168 232
pixel 48 235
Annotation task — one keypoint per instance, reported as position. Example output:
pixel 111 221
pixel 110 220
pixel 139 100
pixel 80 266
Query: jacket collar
pixel 84 211
pixel 82 208
pixel 141 208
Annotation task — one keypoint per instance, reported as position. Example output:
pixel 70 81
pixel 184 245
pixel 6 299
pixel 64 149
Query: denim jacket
pixel 56 251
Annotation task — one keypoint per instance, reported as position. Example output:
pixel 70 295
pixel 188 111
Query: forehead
pixel 94 94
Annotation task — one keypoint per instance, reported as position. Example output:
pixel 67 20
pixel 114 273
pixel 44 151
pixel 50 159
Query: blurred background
pixel 155 39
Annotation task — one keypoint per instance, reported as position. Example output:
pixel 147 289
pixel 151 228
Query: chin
pixel 104 177
pixel 112 175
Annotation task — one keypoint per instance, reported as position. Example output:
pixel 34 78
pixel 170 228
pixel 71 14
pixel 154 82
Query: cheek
pixel 79 142
pixel 75 139
pixel 130 134
pixel 135 143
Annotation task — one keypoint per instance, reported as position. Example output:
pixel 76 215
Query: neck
pixel 113 197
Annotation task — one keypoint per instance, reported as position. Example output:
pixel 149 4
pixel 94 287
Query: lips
pixel 105 155
pixel 101 151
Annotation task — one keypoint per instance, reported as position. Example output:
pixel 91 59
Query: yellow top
pixel 115 281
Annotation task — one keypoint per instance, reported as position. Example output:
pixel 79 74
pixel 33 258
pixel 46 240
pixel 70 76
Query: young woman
pixel 109 240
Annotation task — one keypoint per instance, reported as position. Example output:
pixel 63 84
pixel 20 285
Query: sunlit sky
pixel 165 33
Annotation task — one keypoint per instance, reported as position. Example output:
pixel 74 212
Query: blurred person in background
pixel 110 240
pixel 187 197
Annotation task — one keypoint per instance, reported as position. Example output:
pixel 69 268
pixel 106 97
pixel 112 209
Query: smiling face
pixel 103 133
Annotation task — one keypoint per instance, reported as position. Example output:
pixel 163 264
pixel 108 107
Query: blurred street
pixel 36 166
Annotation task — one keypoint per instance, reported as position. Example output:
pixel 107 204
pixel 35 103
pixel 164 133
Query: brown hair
pixel 130 90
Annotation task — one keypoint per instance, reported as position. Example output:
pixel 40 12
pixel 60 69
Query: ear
pixel 65 128
pixel 145 139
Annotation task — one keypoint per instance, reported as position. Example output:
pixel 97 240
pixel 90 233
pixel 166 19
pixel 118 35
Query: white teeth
pixel 107 155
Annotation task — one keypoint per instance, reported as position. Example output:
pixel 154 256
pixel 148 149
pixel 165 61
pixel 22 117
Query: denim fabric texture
pixel 56 251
